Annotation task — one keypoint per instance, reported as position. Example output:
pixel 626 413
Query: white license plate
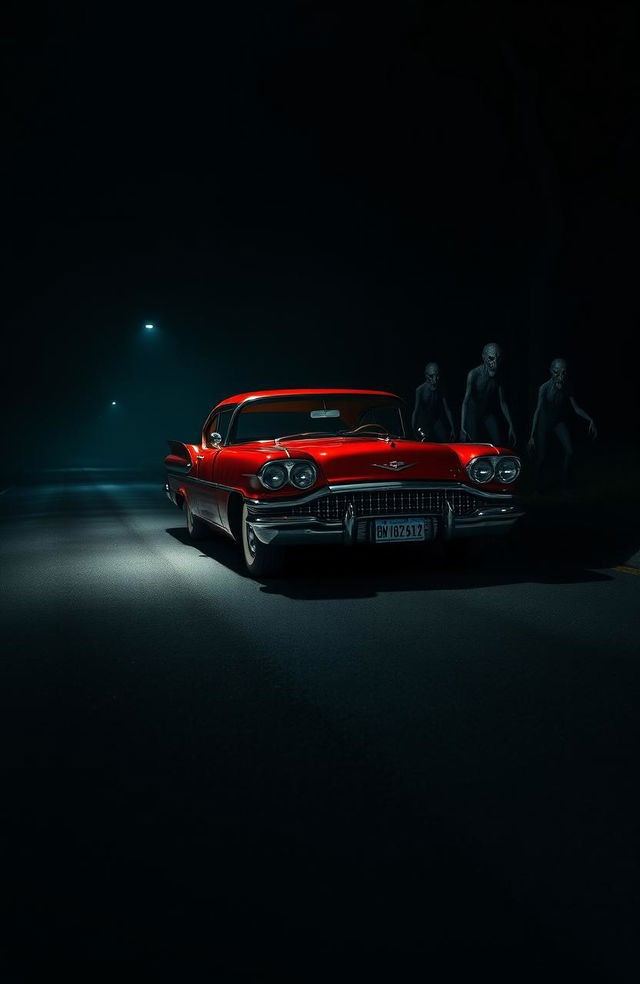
pixel 400 528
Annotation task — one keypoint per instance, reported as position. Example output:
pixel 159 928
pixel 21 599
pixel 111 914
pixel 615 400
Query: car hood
pixel 352 459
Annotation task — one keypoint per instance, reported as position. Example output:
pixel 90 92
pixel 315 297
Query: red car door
pixel 208 496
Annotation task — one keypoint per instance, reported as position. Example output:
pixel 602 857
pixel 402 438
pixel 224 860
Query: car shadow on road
pixel 216 547
pixel 368 572
pixel 551 545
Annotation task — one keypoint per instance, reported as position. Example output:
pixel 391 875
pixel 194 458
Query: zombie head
pixel 491 356
pixel 432 375
pixel 559 372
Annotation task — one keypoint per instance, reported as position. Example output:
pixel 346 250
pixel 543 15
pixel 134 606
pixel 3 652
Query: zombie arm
pixel 534 423
pixel 465 407
pixel 585 416
pixel 445 407
pixel 507 415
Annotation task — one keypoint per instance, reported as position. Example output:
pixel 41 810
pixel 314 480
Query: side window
pixel 212 427
pixel 219 424
pixel 224 419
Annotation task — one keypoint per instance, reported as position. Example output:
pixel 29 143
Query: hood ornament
pixel 394 466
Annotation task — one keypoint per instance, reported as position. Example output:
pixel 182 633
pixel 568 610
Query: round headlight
pixel 507 470
pixel 481 470
pixel 303 475
pixel 273 476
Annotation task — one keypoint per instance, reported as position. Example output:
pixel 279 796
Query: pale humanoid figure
pixel 484 401
pixel 556 405
pixel 431 419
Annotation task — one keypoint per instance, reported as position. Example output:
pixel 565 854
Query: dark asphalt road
pixel 370 764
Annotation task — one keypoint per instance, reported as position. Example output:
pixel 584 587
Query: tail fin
pixel 181 458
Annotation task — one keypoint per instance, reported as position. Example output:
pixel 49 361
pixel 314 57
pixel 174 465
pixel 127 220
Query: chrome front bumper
pixel 495 515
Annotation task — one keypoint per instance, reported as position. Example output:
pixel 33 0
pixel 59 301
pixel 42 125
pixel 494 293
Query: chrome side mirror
pixel 215 438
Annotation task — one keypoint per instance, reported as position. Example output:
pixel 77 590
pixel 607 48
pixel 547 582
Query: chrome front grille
pixel 462 503
pixel 387 502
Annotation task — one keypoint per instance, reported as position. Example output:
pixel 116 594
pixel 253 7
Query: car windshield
pixel 316 417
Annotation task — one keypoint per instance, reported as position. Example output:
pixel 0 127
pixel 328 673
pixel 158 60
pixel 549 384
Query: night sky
pixel 310 194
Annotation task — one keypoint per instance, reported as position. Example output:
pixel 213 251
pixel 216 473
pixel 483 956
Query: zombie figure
pixel 555 407
pixel 431 419
pixel 484 400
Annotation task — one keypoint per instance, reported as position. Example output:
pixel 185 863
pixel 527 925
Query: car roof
pixel 256 394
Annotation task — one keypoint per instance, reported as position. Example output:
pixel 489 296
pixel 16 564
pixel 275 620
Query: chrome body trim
pixel 384 486
pixel 201 481
pixel 395 466
pixel 283 504
pixel 294 530
pixel 449 521
pixel 181 470
pixel 488 522
pixel 300 536
pixel 349 525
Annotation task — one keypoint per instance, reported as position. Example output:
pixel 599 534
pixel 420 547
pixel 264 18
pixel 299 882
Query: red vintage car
pixel 300 466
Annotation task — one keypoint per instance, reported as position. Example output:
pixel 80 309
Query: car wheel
pixel 260 560
pixel 196 528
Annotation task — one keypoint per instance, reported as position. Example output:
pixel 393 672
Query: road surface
pixel 371 764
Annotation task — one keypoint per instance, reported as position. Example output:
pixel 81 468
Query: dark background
pixel 312 194
pixel 368 759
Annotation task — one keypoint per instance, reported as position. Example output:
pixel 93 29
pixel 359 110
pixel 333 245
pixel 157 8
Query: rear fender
pixel 181 459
